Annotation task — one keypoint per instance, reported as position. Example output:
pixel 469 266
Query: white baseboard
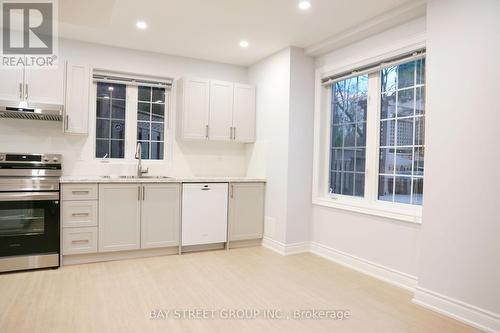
pixel 285 249
pixel 377 271
pixel 469 314
pixel 386 274
pixel 466 313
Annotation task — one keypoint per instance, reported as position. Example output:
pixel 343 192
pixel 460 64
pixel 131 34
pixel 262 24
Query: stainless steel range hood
pixel 33 111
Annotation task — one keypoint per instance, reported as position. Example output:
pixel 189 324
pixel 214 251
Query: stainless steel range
pixel 29 211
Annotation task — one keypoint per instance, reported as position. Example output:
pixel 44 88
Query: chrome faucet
pixel 138 155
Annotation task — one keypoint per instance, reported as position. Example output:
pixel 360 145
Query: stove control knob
pixel 55 159
pixel 45 159
pixel 2 157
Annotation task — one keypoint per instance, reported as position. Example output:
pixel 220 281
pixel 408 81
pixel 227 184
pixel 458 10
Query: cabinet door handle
pixel 80 192
pixel 143 193
pixel 67 122
pixel 206 131
pixel 232 191
pixel 138 193
pixel 234 133
pixel 20 91
pixel 80 214
pixel 80 241
pixel 26 91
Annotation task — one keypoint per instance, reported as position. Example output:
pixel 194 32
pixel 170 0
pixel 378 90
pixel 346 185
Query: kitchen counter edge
pixel 102 180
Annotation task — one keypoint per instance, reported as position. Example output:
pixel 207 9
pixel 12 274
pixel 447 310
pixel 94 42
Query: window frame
pixel 94 123
pixel 355 172
pixel 369 204
pixel 412 146
pixel 166 122
pixel 131 106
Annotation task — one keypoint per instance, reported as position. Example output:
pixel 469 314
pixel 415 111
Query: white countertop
pixel 112 179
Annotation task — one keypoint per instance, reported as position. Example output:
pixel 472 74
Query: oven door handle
pixel 29 196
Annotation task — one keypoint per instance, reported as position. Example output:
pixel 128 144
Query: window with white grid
pixel 401 144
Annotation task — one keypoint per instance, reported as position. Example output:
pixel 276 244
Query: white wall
pixel 189 159
pixel 460 238
pixel 300 146
pixel 269 156
pixel 283 152
pixel 382 241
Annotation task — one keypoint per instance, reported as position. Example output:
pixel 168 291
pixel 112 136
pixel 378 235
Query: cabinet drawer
pixel 79 214
pixel 79 240
pixel 79 192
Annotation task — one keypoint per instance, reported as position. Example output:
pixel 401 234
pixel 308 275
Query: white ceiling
pixel 212 29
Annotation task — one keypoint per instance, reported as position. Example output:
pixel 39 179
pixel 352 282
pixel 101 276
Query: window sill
pixel 124 161
pixel 411 215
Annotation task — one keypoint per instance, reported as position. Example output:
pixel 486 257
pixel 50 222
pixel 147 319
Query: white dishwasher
pixel 204 213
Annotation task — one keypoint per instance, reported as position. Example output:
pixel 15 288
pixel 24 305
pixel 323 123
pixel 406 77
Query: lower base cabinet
pixel 119 217
pixel 246 211
pixel 160 215
pixel 138 216
pixel 113 217
pixel 79 240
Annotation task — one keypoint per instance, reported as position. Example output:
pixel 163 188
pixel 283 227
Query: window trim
pixel 131 129
pixel 369 204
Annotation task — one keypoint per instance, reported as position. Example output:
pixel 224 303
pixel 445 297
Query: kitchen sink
pixel 152 177
pixel 136 177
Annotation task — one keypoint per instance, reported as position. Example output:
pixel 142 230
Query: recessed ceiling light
pixel 141 25
pixel 244 43
pixel 304 4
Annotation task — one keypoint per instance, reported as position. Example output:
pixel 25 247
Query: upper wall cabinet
pixel 68 85
pixel 221 110
pixel 11 84
pixel 215 110
pixel 193 98
pixel 45 85
pixel 244 113
pixel 34 85
pixel 77 98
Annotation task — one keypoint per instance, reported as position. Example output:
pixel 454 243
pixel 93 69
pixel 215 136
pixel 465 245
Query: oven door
pixel 29 223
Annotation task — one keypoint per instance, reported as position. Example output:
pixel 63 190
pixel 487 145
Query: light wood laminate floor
pixel 119 296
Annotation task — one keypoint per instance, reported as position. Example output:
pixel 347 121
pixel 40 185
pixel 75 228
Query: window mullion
pixel 372 125
pixel 150 146
pixel 326 139
pixel 131 121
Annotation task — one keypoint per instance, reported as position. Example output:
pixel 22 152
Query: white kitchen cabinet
pixel 77 98
pixel 11 84
pixel 193 102
pixel 44 85
pixel 244 113
pixel 79 240
pixel 79 214
pixel 160 215
pixel 82 191
pixel 215 110
pixel 246 211
pixel 119 217
pixel 204 213
pixel 221 110
pixel 39 85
